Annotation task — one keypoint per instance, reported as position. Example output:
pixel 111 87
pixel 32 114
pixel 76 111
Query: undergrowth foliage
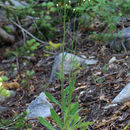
pixel 47 16
pixel 106 13
pixel 3 92
pixel 70 119
pixel 25 50
pixel 17 122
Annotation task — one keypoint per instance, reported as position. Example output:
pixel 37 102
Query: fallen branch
pixel 106 122
pixel 31 35
pixel 24 36
pixel 6 37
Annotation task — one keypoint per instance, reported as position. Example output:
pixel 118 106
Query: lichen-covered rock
pixel 71 62
pixel 123 96
pixel 122 36
pixel 39 107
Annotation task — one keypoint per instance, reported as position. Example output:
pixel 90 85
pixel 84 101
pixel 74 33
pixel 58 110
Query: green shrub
pixel 107 13
pixel 3 91
pixel 16 122
pixel 25 50
pixel 28 77
pixel 42 14
pixel 70 119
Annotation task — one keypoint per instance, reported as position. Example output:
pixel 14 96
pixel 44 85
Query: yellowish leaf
pixel 55 45
pixel 48 48
pixel 47 55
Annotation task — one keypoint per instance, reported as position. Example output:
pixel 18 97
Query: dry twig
pixel 31 35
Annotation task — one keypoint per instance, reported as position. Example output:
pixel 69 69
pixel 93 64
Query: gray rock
pixel 110 106
pixel 126 32
pixel 123 96
pixel 113 59
pixel 12 94
pixel 71 62
pixel 17 3
pixel 125 35
pixel 128 43
pixel 39 107
pixel 3 109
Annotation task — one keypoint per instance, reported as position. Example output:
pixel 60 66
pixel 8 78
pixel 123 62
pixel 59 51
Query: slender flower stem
pixel 63 57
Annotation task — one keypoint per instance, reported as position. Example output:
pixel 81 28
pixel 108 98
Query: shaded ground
pixel 96 86
pixel 92 96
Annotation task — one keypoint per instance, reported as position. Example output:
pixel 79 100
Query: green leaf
pixel 32 48
pixel 70 112
pixel 83 125
pixel 29 43
pixel 50 4
pixel 58 75
pixel 47 17
pixel 64 103
pixel 44 4
pixel 8 29
pixel 4 92
pixel 75 118
pixel 51 98
pixel 28 72
pixel 32 40
pixel 53 9
pixel 71 91
pixel 56 118
pixel 72 108
pixel 55 45
pixel 66 90
pixel 4 78
pixel 15 53
pixel 45 123
pixel 37 44
pixel 1 80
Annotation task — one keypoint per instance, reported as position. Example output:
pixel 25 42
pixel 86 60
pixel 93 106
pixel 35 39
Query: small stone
pixel 90 62
pixel 110 106
pixel 123 96
pixel 71 62
pixel 126 32
pixel 113 59
pixel 3 109
pixel 125 35
pixel 17 3
pixel 128 75
pixel 97 73
pixel 39 107
pixel 83 56
pixel 91 57
pixel 128 44
pixel 82 93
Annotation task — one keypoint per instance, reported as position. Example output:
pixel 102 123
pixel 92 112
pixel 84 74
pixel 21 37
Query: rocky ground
pixel 93 94
pixel 96 85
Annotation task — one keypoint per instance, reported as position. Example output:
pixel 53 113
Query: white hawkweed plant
pixel 70 118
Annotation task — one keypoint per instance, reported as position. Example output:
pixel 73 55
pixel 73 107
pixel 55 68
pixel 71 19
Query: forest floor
pixel 96 86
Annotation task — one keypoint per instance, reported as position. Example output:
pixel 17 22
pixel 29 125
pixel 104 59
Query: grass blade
pixel 52 99
pixel 45 123
pixel 56 118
